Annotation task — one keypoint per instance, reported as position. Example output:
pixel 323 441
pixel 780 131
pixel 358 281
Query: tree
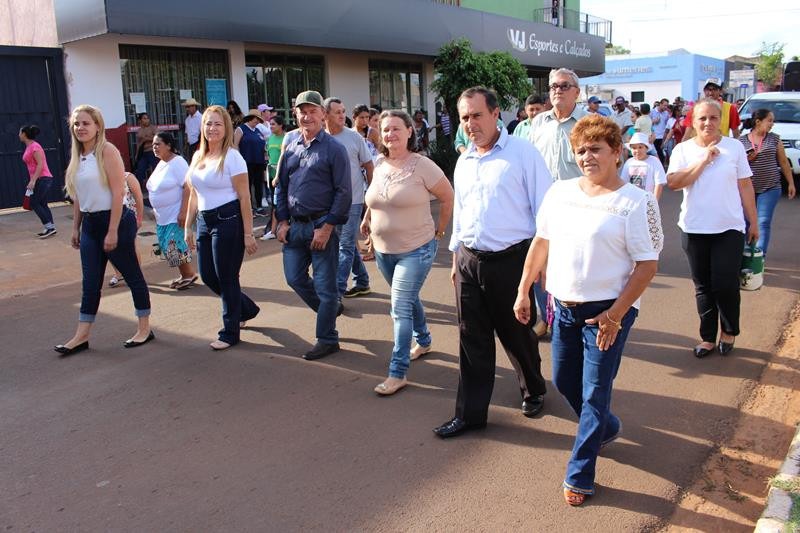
pixel 616 50
pixel 458 67
pixel 770 63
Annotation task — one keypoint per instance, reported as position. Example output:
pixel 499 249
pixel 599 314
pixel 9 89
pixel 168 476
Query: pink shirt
pixel 30 161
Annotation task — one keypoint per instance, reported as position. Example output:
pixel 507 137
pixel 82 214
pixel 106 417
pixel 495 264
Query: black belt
pixel 310 217
pixel 514 248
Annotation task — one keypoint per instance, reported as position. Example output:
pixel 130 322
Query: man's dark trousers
pixel 486 289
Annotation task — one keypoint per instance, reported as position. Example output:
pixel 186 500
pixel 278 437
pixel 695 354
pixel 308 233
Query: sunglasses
pixel 563 86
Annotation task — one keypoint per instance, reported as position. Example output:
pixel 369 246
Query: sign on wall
pixel 216 92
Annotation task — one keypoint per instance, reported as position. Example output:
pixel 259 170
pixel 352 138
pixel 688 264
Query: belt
pixel 569 304
pixel 480 254
pixel 310 217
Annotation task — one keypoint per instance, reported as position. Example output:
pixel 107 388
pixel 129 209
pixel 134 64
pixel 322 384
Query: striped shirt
pixel 766 171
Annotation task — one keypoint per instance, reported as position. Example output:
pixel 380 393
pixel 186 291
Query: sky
pixel 716 29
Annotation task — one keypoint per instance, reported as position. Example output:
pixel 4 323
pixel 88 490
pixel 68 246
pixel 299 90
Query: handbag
pixel 751 275
pixel 26 201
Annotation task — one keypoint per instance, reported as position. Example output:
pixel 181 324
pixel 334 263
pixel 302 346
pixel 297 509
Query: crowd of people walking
pixel 551 232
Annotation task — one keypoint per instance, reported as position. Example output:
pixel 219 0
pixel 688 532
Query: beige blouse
pixel 399 201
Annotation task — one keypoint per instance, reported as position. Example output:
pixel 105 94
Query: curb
pixel 779 501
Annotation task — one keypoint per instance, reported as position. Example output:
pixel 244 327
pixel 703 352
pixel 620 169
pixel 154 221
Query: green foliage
pixel 442 153
pixel 458 67
pixel 770 62
pixel 616 50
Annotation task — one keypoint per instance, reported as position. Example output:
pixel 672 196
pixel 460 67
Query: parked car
pixel 786 108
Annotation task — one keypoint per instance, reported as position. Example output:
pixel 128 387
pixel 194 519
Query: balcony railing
pixel 575 20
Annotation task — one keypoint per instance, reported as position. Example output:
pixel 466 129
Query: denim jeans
pixel 349 258
pixel 319 293
pixel 765 204
pixel 39 201
pixel 584 374
pixel 94 227
pixel 406 273
pixel 220 252
pixel 147 161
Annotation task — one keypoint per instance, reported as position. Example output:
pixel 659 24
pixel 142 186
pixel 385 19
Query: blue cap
pixel 594 100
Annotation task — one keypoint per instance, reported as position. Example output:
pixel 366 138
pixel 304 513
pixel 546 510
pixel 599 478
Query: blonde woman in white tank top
pixel 103 229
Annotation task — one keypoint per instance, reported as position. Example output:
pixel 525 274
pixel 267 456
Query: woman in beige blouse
pixel 399 220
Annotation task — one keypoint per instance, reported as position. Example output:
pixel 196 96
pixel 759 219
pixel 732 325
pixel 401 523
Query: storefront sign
pixel 139 102
pixel 627 72
pixel 216 92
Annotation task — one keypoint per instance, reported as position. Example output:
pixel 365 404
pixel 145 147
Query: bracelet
pixel 438 235
pixel 618 324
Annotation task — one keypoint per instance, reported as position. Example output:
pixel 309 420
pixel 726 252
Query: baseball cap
pixel 264 107
pixel 619 100
pixel 594 100
pixel 309 97
pixel 713 81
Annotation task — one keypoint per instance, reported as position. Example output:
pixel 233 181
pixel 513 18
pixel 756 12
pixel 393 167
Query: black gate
pixel 32 91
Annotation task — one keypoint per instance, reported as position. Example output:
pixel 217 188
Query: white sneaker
pixel 268 236
pixel 418 350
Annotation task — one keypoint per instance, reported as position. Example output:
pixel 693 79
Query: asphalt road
pixel 175 437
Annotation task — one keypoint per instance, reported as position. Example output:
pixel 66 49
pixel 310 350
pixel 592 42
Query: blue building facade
pixel 644 79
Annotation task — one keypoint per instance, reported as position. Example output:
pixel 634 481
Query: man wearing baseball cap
pixel 622 116
pixel 594 106
pixel 313 196
pixel 729 123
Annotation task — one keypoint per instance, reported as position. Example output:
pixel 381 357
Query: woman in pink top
pixel 40 179
pixel 405 237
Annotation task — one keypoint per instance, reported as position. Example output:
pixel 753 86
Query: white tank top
pixel 93 195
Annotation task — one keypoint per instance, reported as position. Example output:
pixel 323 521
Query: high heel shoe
pixel 700 351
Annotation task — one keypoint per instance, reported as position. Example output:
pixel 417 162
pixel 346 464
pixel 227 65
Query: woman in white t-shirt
pixel 220 200
pixel 600 239
pixel 714 175
pixel 102 228
pixel 169 198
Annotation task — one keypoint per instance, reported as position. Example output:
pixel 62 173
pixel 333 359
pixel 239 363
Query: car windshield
pixel 784 110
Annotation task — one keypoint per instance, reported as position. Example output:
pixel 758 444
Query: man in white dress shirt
pixel 500 181
pixel 193 123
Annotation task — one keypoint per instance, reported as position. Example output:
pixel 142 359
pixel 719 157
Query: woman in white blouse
pixel 102 228
pixel 220 200
pixel 599 239
pixel 169 198
pixel 714 175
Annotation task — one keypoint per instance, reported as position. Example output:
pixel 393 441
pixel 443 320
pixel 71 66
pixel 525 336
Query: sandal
pixel 185 283
pixel 387 390
pixel 174 282
pixel 218 345
pixel 114 281
pixel 574 498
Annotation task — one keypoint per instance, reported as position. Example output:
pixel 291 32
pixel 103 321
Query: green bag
pixel 751 276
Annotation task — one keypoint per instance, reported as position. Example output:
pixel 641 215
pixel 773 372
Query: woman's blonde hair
pixel 75 152
pixel 227 141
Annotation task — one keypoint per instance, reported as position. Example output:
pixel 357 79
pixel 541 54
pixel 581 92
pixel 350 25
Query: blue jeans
pixel 349 258
pixel 147 161
pixel 39 201
pixel 94 227
pixel 765 205
pixel 584 374
pixel 220 252
pixel 319 292
pixel 405 274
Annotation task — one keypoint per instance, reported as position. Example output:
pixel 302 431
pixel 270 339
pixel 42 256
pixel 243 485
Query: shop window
pixel 277 79
pixel 158 79
pixel 396 85
pixel 637 97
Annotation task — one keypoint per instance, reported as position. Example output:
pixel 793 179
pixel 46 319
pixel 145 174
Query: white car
pixel 786 108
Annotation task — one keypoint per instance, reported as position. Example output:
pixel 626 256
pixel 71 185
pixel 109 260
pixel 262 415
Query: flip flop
pixel 185 283
pixel 174 282
pixel 114 281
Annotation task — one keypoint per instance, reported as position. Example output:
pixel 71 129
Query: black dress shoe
pixel 701 352
pixel 320 350
pixel 130 343
pixel 725 347
pixel 455 427
pixel 66 352
pixel 532 406
pixel 340 309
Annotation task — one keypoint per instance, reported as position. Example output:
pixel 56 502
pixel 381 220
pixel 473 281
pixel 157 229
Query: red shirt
pixel 733 118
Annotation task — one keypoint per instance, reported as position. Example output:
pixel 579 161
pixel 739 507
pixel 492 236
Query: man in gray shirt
pixel 359 156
